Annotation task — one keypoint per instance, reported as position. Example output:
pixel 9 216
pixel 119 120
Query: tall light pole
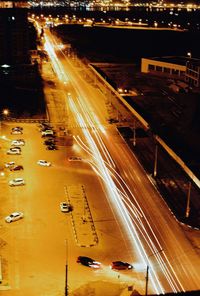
pixel 147 280
pixel 187 212
pixel 66 269
pixel 147 271
pixel 155 161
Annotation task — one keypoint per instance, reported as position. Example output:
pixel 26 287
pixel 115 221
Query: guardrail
pixel 147 126
pixel 26 120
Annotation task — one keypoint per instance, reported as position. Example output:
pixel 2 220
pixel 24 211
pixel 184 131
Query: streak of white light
pixel 58 68
pixel 142 230
pixel 111 188
pixel 147 238
pixel 89 118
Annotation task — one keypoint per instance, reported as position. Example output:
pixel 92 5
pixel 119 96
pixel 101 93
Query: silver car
pixel 43 162
pixel 13 151
pixel 65 207
pixel 17 143
pixel 9 164
pixel 14 217
pixel 17 182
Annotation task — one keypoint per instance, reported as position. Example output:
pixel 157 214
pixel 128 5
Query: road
pixel 132 222
pixel 164 241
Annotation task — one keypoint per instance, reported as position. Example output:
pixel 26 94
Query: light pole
pixel 147 271
pixel 155 161
pixel 147 280
pixel 5 112
pixel 187 212
pixel 66 269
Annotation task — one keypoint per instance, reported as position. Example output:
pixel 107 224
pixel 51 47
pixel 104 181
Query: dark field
pixel 99 44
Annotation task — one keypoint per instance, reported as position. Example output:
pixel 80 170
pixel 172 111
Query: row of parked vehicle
pixel 48 133
pixel 15 149
pixel 16 144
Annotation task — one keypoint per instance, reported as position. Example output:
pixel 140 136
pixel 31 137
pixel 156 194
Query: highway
pixel 132 222
pixel 151 228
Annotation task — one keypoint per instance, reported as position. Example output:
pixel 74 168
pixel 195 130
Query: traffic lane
pixel 168 231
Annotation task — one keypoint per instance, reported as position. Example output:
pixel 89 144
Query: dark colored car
pixel 119 265
pixel 86 261
pixel 52 147
pixel 48 136
pixel 45 128
pixel 49 142
pixel 16 168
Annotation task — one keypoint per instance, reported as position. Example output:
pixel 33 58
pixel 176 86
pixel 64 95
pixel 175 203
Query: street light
pixel 66 269
pixel 5 112
pixel 147 271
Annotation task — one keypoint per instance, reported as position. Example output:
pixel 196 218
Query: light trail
pixel 113 193
pixel 120 199
pixel 137 213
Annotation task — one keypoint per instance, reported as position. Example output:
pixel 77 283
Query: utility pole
pixel 147 281
pixel 187 213
pixel 155 161
pixel 66 270
pixel 134 134
pixel 147 271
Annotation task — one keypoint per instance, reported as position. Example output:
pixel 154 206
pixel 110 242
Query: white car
pixel 9 164
pixel 13 151
pixel 17 182
pixel 74 158
pixel 17 128
pixel 17 143
pixel 65 207
pixel 44 162
pixel 47 132
pixel 16 132
pixel 14 217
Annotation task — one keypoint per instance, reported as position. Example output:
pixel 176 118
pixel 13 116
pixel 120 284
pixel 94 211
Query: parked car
pixel 119 265
pixel 52 147
pixel 16 168
pixel 21 140
pixel 49 142
pixel 16 132
pixel 74 158
pixel 17 182
pixel 65 207
pixel 17 143
pixel 45 128
pixel 14 152
pixel 17 128
pixel 113 120
pixel 14 217
pixel 9 164
pixel 44 125
pixel 86 261
pixel 18 148
pixel 49 136
pixel 47 132
pixel 43 162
